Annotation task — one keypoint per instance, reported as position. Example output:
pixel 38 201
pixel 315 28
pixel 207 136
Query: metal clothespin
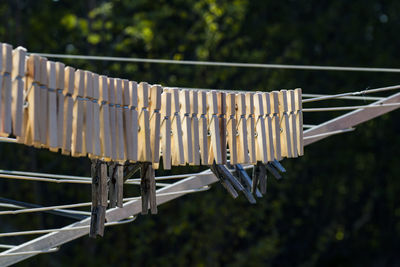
pixel 116 184
pixel 259 178
pixel 99 197
pixel 148 188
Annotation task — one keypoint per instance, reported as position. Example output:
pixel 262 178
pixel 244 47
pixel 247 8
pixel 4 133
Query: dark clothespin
pixel 225 183
pixel 148 188
pixel 278 166
pixel 99 197
pixel 116 184
pixel 259 178
pixel 275 167
pixel 245 179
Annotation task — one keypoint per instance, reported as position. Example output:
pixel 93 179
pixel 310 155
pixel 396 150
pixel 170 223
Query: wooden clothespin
pixel 113 123
pixel 203 127
pixel 144 146
pixel 246 182
pixel 292 122
pixel 69 85
pixel 77 116
pixel 133 93
pixel 87 146
pixel 241 137
pixel 105 136
pixel 214 129
pixel 52 131
pixel 32 104
pixel 44 117
pixel 127 114
pixel 99 198
pixel 286 144
pixel 116 184
pixel 259 177
pixel 184 99
pixel 276 129
pixel 18 77
pixel 155 120
pixel 120 143
pixel 224 178
pixel 96 150
pixel 273 170
pixel 148 188
pixel 6 114
pixel 194 107
pixel 178 157
pixel 268 126
pixel 231 127
pixel 166 99
pixel 251 127
pixel 299 121
pixel 222 124
pixel 60 79
pixel 261 147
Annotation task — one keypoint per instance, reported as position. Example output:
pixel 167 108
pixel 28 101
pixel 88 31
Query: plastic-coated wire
pixel 29 252
pixel 368 91
pixel 86 204
pixel 220 64
pixel 308 125
pixel 329 133
pixel 6 246
pixel 45 231
pixel 350 107
pixel 363 98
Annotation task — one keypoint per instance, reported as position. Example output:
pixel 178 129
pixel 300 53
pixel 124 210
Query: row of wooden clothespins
pixel 46 104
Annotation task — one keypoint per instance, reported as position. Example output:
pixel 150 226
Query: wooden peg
pixel 119 121
pixel 148 188
pixel 184 99
pixel 155 119
pixel 52 131
pixel 268 126
pixel 6 112
pixel 214 129
pixel 116 183
pixel 133 92
pixel 113 123
pixel 105 136
pixel 251 127
pixel 241 137
pixel 222 124
pixel 276 129
pixel 18 74
pixel 144 146
pixel 60 78
pixel 178 157
pixel 166 129
pixel 44 117
pixel 96 150
pixel 292 122
pixel 286 145
pixel 87 146
pixel 127 114
pixel 299 121
pixel 203 127
pixel 231 127
pixel 194 107
pixel 69 85
pixel 261 147
pixel 77 115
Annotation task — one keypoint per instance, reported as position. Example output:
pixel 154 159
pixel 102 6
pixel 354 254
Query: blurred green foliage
pixel 337 206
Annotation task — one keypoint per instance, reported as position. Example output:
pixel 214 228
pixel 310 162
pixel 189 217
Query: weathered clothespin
pixel 203 127
pixel 231 127
pixel 69 85
pixel 299 121
pixel 268 126
pixel 44 117
pixel 32 104
pixel 52 131
pixel 241 136
pixel 261 147
pixel 155 122
pixel 184 99
pixel 99 198
pixel 148 188
pixel 6 112
pixel 292 122
pixel 116 184
pixel 60 78
pixel 178 157
pixel 87 147
pixel 214 130
pixel 273 170
pixel 127 115
pixel 223 178
pixel 246 181
pixel 222 124
pixel 144 146
pixel 286 144
pixel 96 150
pixel 119 121
pixel 259 178
pixel 277 165
pixel 105 136
pixel 113 123
pixel 77 116
pixel 166 129
pixel 194 107
pixel 251 127
pixel 276 129
pixel 133 93
pixel 18 84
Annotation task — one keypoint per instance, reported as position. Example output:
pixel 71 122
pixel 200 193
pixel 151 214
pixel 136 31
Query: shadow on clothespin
pixel 148 188
pixel 116 184
pixel 99 198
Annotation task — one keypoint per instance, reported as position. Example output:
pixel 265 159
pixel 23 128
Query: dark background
pixel 338 204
